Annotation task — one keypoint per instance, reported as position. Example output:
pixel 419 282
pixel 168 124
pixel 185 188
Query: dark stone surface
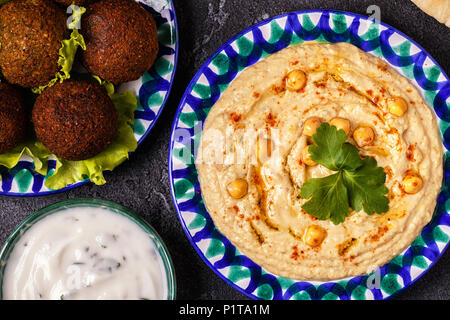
pixel 142 182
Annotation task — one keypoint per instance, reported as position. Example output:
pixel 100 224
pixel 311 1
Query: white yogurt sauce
pixel 85 253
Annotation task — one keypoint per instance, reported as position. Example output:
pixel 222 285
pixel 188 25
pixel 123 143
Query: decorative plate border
pixel 245 49
pixel 152 91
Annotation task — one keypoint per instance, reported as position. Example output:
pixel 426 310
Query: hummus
pixel 251 167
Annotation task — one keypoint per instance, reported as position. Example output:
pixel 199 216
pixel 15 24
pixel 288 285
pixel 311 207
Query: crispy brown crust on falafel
pixel 31 32
pixel 76 119
pixel 13 119
pixel 121 40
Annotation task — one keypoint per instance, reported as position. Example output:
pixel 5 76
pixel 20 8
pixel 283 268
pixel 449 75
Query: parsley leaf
pixel 332 151
pixel 329 198
pixel 366 189
pixel 357 184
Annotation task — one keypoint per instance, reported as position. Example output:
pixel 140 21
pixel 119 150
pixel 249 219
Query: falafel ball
pixel 121 40
pixel 13 119
pixel 31 32
pixel 75 119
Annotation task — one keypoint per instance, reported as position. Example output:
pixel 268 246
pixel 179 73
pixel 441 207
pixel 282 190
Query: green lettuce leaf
pixel 68 50
pixel 31 148
pixel 108 86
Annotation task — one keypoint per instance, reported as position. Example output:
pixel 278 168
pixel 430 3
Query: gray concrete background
pixel 142 182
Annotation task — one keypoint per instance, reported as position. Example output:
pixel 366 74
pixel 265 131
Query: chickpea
pixel 397 106
pixel 263 149
pixel 306 157
pixel 364 136
pixel 238 188
pixel 341 124
pixel 310 126
pixel 295 80
pixel 412 183
pixel 314 235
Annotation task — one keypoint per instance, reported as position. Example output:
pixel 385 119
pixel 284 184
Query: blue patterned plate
pixel 152 91
pixel 247 48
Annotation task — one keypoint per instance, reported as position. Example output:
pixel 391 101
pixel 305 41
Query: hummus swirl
pixel 266 221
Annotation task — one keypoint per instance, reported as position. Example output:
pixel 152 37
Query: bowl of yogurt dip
pixel 85 249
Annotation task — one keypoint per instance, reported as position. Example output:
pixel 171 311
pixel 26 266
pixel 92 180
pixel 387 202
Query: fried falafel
pixel 31 32
pixel 13 118
pixel 75 119
pixel 121 40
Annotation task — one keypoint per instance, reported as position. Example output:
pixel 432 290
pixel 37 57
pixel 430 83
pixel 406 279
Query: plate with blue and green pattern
pixel 151 90
pixel 244 50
